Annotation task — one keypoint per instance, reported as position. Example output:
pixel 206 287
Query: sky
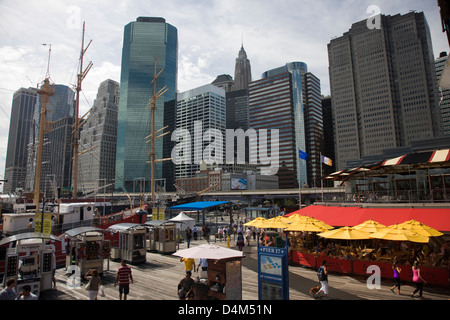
pixel 210 34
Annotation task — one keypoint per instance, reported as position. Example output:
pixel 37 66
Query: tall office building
pixel 198 111
pixel 242 71
pixel 20 126
pixel 383 86
pixel 56 166
pixel 98 139
pixel 145 39
pixel 288 98
pixel 443 94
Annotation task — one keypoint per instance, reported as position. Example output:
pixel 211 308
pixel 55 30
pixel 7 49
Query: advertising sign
pixel 273 273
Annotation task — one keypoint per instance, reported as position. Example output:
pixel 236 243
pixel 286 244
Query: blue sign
pixel 273 273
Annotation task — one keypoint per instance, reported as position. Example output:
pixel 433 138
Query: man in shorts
pixel 124 278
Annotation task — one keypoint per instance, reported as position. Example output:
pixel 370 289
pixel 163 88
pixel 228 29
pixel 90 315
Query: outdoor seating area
pixel 350 250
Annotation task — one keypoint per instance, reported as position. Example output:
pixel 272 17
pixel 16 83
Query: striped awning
pixel 417 159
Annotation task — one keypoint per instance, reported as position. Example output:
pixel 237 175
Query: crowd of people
pixel 432 254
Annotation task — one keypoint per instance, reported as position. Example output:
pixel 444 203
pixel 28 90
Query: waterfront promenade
pixel 157 279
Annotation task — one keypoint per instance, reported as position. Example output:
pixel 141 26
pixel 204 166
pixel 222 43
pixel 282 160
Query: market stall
pixel 86 248
pixel 162 236
pixel 224 275
pixel 30 260
pixel 131 245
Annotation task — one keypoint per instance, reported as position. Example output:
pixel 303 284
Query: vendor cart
pixel 162 236
pixel 132 242
pixel 30 261
pixel 86 249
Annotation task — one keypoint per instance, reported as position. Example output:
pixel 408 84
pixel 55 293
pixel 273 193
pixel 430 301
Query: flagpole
pixel 321 175
pixel 299 185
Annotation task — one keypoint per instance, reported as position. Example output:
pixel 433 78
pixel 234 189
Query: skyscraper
pixel 288 98
pixel 242 71
pixel 56 167
pixel 198 111
pixel 98 139
pixel 444 94
pixel 145 40
pixel 383 86
pixel 20 126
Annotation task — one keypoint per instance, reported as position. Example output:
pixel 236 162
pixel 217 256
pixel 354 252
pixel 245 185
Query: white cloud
pixel 209 33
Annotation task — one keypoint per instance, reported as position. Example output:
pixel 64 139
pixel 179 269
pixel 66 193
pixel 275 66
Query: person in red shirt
pixel 124 278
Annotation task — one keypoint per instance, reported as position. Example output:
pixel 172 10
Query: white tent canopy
pixel 184 221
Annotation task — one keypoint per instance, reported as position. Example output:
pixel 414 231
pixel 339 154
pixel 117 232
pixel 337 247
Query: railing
pixel 393 196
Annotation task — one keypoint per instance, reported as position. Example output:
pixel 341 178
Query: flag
pixel 326 160
pixel 302 155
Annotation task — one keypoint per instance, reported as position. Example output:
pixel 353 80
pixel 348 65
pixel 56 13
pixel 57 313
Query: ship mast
pixel 152 137
pixel 45 92
pixel 76 125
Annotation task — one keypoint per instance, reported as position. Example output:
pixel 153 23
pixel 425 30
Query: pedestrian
pixel 9 292
pixel 203 264
pixel 417 279
pixel 94 283
pixel 240 241
pixel 195 232
pixel 188 236
pixel 26 294
pixel 189 264
pixel 397 270
pixel 185 287
pixel 248 236
pixel 322 274
pixel 124 277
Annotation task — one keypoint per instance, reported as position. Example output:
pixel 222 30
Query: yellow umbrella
pixel 306 226
pixel 345 233
pixel 300 218
pixel 397 233
pixel 369 226
pixel 420 228
pixel 257 222
pixel 274 223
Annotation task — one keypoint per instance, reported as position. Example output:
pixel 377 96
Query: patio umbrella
pixel 300 218
pixel 420 228
pixel 345 233
pixel 369 226
pixel 208 251
pixel 274 223
pixel 397 233
pixel 257 222
pixel 306 226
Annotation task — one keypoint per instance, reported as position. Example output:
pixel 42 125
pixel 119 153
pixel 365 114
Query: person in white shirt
pixel 26 294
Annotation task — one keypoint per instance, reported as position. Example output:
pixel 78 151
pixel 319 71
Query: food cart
pixel 30 260
pixel 86 249
pixel 224 273
pixel 132 242
pixel 162 236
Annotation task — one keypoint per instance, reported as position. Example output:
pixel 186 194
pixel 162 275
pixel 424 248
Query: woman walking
pixel 397 271
pixel 417 279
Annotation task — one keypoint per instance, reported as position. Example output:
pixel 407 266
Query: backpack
pixel 321 274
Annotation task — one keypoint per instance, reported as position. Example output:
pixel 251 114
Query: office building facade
pixel 242 71
pixel 198 111
pixel 56 166
pixel 288 99
pixel 145 40
pixel 443 94
pixel 21 124
pixel 383 87
pixel 98 139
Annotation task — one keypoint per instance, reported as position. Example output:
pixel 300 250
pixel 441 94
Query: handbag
pixel 101 291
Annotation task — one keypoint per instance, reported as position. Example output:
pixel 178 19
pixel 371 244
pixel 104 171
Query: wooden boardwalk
pixel 158 278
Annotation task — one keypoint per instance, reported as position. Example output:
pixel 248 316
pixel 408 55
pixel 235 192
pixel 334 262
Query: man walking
pixel 124 277
pixel 322 274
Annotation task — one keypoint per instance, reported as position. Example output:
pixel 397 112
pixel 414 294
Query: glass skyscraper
pixel 288 98
pixel 145 39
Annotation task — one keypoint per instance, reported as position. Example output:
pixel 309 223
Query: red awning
pixel 351 216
